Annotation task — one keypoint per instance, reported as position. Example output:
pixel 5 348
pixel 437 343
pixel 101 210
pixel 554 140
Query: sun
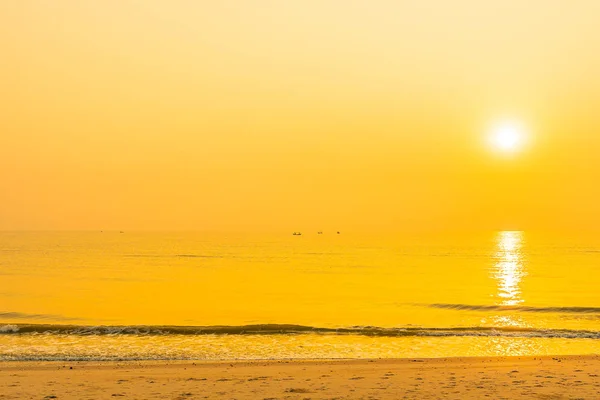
pixel 507 137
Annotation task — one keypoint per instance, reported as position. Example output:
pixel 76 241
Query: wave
pixel 277 329
pixel 20 315
pixel 559 310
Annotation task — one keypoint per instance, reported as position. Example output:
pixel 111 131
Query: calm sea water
pixel 116 296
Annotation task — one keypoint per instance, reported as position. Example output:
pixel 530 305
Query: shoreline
pixel 545 377
pixel 309 360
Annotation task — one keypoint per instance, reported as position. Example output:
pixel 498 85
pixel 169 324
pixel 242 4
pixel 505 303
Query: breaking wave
pixel 276 329
pixel 559 310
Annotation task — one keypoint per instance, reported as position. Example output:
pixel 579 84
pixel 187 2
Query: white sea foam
pixel 50 347
pixel 9 329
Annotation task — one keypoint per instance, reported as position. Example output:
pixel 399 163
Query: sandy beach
pixel 568 377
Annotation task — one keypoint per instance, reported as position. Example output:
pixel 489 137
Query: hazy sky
pixel 292 115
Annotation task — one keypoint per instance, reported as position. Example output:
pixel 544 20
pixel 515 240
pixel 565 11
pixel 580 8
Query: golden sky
pixel 292 115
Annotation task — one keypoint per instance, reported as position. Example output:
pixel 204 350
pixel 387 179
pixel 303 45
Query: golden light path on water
pixel 508 271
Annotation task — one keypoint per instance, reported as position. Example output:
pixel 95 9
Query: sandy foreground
pixel 568 377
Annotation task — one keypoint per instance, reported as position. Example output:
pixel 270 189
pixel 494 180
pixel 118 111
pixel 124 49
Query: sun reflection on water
pixel 508 272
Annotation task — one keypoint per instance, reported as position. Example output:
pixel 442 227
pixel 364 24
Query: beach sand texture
pixel 550 378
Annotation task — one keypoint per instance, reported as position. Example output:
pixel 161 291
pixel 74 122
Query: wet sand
pixel 566 377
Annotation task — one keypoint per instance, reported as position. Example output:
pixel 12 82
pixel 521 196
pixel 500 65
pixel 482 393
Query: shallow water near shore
pixel 111 295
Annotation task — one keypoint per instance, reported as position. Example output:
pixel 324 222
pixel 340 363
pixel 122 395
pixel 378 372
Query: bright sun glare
pixel 507 137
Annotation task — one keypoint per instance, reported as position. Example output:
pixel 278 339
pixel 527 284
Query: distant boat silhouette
pixel 320 233
pixel 297 234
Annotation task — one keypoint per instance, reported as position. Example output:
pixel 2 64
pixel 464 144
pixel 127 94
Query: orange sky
pixel 281 115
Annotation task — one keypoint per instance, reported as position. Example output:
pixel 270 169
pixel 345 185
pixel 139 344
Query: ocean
pixel 208 296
